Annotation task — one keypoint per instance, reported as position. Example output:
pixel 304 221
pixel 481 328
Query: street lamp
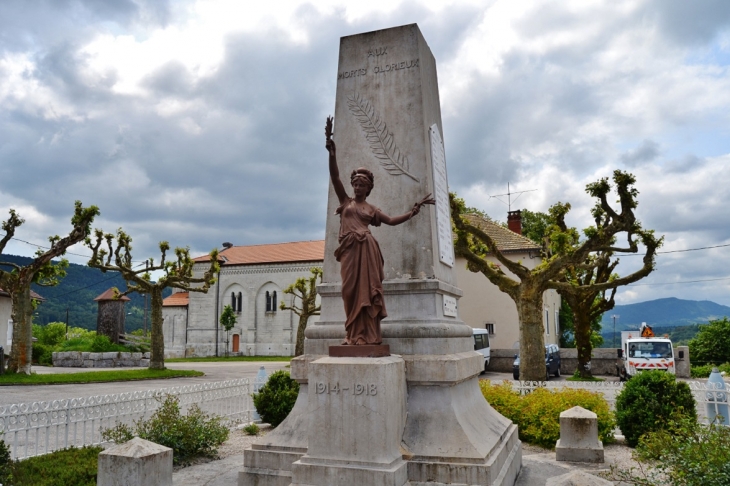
pixel 614 316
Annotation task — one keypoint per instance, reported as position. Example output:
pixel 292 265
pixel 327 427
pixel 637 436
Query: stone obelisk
pixel 388 119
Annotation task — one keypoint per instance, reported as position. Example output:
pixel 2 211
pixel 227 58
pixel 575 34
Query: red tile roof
pixel 507 240
pixel 111 294
pixel 298 251
pixel 33 295
pixel 180 299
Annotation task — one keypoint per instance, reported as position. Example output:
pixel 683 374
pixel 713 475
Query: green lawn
pixel 94 377
pixel 229 358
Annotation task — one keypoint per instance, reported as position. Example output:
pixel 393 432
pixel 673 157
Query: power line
pixel 684 282
pixel 680 251
pixel 65 253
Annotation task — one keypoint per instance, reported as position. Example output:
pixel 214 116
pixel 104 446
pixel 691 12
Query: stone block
pixel 89 363
pixel 136 356
pixel 147 355
pixel 110 355
pixel 85 355
pixel 579 437
pixel 144 362
pixel 357 408
pixel 137 462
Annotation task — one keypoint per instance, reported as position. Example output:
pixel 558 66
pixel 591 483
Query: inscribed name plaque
pixel 441 194
pixel 450 308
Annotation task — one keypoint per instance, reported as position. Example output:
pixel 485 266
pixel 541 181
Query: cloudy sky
pixel 200 122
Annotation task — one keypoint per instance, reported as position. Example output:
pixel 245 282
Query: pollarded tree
pixel 306 291
pixel 41 272
pixel 228 320
pixel 567 255
pixel 176 273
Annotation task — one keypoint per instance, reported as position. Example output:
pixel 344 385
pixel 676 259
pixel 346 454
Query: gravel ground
pixel 237 441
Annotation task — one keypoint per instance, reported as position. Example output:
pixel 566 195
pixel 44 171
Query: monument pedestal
pixel 268 461
pixel 357 409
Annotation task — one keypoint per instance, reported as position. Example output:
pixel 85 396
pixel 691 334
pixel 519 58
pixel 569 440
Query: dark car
pixel 552 362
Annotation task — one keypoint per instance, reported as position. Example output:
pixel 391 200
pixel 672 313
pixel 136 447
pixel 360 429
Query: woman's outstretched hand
pixel 417 207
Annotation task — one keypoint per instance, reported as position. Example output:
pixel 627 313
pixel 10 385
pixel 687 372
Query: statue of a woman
pixel 359 253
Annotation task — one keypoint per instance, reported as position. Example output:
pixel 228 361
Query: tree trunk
pixel 22 348
pixel 582 322
pixel 157 359
pixel 299 348
pixel 532 339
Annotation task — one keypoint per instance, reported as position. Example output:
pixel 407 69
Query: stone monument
pixel 432 424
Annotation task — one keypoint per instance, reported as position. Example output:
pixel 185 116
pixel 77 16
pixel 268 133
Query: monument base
pixel 357 409
pixel 360 351
pixel 268 462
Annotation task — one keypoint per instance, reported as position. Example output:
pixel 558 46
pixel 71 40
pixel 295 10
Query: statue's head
pixel 364 176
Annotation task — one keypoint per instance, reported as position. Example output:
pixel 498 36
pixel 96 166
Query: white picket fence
pixel 36 428
pixel 704 393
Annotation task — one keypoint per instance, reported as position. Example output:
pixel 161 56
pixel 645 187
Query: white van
pixel 481 344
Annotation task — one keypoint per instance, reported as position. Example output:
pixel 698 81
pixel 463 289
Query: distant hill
pixel 77 292
pixel 669 312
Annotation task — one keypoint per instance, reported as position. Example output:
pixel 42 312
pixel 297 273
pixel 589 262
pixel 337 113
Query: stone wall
pixel 603 361
pixel 80 359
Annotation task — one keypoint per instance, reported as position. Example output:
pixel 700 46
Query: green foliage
pixel 191 435
pixel 537 414
pixel 684 453
pixel 711 345
pixel 51 334
pixel 535 225
pixel 42 354
pixel 228 318
pixel 648 401
pixel 704 371
pixel 276 398
pixel 75 466
pixel 6 462
pixel 77 291
pixel 251 429
pixel 102 344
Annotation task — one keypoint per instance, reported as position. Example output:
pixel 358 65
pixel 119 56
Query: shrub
pixel 705 370
pixel 65 466
pixel 191 435
pixel 684 453
pixel 42 354
pixel 51 334
pixel 276 398
pixel 6 463
pixel 537 414
pixel 251 429
pixel 711 345
pixel 648 401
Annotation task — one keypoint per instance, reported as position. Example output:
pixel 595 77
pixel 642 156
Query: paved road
pixel 219 371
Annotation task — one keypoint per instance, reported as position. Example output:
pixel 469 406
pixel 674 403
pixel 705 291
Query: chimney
pixel 514 221
pixel 227 245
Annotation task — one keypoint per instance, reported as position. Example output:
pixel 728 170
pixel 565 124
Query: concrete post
pixel 579 437
pixel 138 462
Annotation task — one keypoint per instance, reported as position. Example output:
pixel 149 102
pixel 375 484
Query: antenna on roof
pixel 509 196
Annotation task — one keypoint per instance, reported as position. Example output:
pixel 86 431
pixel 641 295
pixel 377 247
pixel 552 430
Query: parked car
pixel 552 362
pixel 481 344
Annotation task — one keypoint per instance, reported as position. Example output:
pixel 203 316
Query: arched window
pixel 233 301
pixel 268 301
pixel 273 302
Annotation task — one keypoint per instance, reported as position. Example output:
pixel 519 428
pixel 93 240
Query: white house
pixel 251 280
pixel 484 306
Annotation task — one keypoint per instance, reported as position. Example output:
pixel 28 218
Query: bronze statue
pixel 359 253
